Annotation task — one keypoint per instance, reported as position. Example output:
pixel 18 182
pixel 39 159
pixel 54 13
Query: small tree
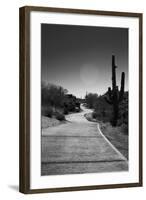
pixel 91 99
pixel 53 95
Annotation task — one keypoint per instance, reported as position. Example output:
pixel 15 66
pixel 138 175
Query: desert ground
pixel 78 146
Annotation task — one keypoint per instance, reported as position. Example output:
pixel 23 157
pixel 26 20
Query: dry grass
pixel 117 136
pixel 49 122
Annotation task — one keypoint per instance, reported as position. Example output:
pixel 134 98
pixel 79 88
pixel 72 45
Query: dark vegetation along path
pixel 78 146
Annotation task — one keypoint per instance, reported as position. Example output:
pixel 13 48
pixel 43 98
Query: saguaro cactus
pixel 114 95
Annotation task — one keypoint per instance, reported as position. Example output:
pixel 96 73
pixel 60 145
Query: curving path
pixel 78 146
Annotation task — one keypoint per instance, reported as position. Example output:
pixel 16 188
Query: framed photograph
pixel 80 99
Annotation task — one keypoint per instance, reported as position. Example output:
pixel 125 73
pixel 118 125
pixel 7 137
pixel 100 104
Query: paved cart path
pixel 78 146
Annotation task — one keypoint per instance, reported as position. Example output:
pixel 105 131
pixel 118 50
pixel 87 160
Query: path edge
pixel 112 146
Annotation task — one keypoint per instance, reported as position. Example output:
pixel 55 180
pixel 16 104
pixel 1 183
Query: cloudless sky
pixel 79 58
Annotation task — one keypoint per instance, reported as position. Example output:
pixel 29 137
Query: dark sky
pixel 78 58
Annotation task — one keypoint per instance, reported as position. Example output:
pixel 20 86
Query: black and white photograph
pixel 80 99
pixel 84 99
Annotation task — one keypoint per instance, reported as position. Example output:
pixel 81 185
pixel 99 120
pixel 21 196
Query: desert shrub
pixel 91 99
pixel 77 109
pixel 94 115
pixel 47 111
pixel 124 129
pixel 71 106
pixel 104 111
pixel 65 111
pixel 52 95
pixel 104 126
pixel 59 116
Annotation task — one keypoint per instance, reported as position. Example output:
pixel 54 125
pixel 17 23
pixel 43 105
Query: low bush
pixel 77 109
pixel 94 115
pixel 124 129
pixel 59 116
pixel 65 111
pixel 47 111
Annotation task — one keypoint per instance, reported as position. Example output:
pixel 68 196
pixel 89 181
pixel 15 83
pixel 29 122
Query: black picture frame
pixel 24 142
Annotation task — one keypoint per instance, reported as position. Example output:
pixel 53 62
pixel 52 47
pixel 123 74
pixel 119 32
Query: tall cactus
pixel 114 95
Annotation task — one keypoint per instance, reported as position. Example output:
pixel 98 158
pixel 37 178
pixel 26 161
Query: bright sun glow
pixel 89 74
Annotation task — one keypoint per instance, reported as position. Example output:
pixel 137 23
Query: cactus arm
pixel 110 93
pixel 113 72
pixel 122 86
